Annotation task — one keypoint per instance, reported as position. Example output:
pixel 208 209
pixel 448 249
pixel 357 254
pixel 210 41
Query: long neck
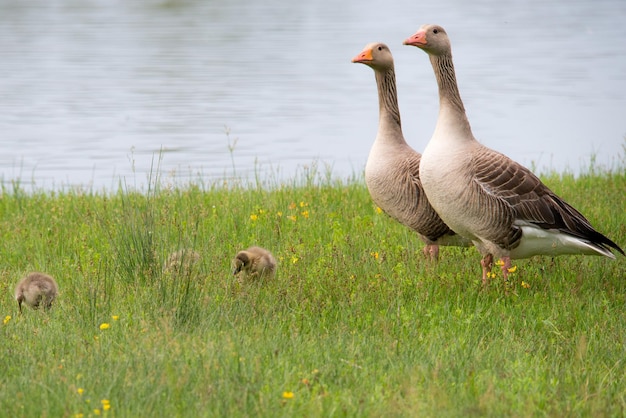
pixel 389 114
pixel 451 109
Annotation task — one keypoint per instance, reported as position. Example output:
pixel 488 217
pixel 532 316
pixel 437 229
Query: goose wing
pixel 526 200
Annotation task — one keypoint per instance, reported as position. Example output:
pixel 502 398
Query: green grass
pixel 356 323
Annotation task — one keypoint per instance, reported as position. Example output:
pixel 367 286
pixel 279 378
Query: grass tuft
pixel 356 322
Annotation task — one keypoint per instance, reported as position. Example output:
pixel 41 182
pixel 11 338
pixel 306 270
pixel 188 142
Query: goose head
pixel 376 55
pixel 433 39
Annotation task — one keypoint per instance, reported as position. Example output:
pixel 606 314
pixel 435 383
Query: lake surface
pixel 94 92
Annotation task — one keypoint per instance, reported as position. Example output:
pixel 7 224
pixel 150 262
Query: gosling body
pixel 181 261
pixel 255 262
pixel 36 290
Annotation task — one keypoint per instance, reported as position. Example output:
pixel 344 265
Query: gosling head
pixel 241 262
pixel 20 298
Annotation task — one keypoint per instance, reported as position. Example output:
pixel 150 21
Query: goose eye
pixel 435 31
pixel 380 48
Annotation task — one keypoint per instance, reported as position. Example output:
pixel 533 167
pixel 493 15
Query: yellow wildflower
pixel 499 263
pixel 302 204
pixel 6 319
pixel 374 254
pixel 287 395
pixel 80 391
pixel 106 405
pixel 378 210
pixel 104 326
pixel 254 217
pixel 96 411
pixel 294 259
pixel 79 415
pixel 291 218
pixel 115 317
pixel 525 285
pixel 305 214
pixel 292 205
pixel 512 269
pixel 279 213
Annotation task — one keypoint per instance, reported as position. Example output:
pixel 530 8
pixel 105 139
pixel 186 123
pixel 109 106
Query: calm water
pixel 91 91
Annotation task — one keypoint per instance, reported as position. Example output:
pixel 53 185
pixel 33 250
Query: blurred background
pixel 97 92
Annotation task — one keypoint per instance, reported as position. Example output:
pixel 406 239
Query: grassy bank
pixel 356 323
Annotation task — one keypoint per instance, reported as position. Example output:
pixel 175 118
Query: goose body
pixel 485 196
pixel 392 169
pixel 35 290
pixel 254 262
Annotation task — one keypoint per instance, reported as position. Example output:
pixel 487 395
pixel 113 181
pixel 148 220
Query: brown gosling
pixel 36 289
pixel 181 260
pixel 255 262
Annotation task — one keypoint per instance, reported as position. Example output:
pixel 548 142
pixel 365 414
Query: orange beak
pixel 418 39
pixel 364 56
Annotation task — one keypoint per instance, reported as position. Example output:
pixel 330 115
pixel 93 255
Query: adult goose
pixel 392 169
pixel 485 196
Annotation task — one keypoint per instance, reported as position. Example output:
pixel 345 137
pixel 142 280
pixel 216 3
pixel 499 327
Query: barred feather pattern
pixel 446 79
pixel 399 193
pixel 512 193
pixel 388 96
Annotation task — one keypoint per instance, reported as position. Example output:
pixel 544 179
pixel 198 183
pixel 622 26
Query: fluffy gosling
pixel 255 262
pixel 36 289
pixel 180 261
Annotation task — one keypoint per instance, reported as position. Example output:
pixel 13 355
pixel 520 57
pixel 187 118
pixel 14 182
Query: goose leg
pixel 432 251
pixel 505 267
pixel 487 263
